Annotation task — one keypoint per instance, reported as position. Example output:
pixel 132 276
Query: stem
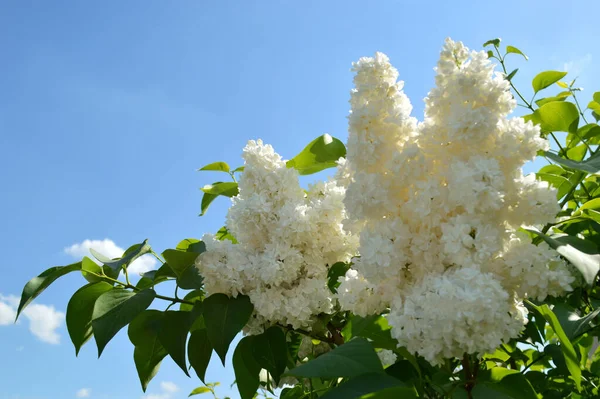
pixel 468 376
pixel 578 106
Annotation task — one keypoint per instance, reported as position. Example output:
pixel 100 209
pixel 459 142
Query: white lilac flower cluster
pixel 286 237
pixel 437 205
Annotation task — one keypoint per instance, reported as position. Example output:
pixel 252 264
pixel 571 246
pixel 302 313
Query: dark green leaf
pixel 192 296
pixel 368 384
pixel 227 189
pixel 216 166
pixel 270 352
pixel 191 245
pixel 131 254
pixel 246 368
pixel 206 201
pixel 38 284
pixel 558 116
pixel 190 279
pixel 224 318
pixel 514 50
pixel 587 264
pixel 179 261
pixel 510 383
pixel 495 42
pixel 334 273
pixel 490 54
pixel 292 393
pixel 565 344
pixel 199 352
pixel 173 336
pixel 512 74
pixel 545 79
pixel 153 277
pixel 321 153
pixel 80 310
pixel 148 353
pixel 351 359
pixel 115 309
pixel 375 328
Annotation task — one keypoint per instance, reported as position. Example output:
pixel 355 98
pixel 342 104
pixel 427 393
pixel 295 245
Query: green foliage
pixel 115 309
pixel 554 357
pixel 225 317
pixel 322 153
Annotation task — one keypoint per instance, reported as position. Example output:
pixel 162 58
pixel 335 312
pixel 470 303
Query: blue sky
pixel 107 108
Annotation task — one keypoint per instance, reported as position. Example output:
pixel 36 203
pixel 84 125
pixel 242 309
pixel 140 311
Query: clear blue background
pixel 107 108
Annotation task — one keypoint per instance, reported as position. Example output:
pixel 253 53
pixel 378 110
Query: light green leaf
pixel 270 352
pixel 224 318
pixel 558 116
pixel 207 199
pixel 173 335
pixel 216 166
pixel 545 79
pixel 227 189
pixel 239 169
pixel 246 368
pixel 369 384
pixel 199 390
pixel 563 85
pixel 594 106
pixel 514 50
pixel 570 248
pixel 224 234
pixel 115 309
pixel 322 153
pixel 149 352
pixel 199 352
pixel 191 245
pixel 596 96
pixel 38 284
pixel 80 310
pixel 565 344
pixel 351 359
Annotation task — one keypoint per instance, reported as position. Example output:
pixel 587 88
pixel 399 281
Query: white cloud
pixel 7 314
pixel 168 389
pixel 44 320
pixel 83 393
pixel 108 248
pixel 576 67
pixel 168 386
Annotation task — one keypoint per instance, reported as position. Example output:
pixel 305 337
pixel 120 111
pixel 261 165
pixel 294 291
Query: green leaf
pixel 80 310
pixel 206 201
pixel 38 284
pixel 510 383
pixel 191 245
pixel 227 189
pixel 495 42
pixel 179 261
pixel 569 248
pixel 545 79
pixel 292 393
pixel 224 318
pixel 565 343
pixel 199 352
pixel 392 393
pixel 192 296
pixel 246 368
pixel 153 277
pixel 375 328
pixel 596 96
pixel 131 254
pixel 490 54
pixel 590 165
pixel 199 391
pixel 351 359
pixel 368 384
pixel 558 116
pixel 514 50
pixel 239 169
pixel 173 336
pixel 559 97
pixel 594 106
pixel 334 273
pixel 563 85
pixel 149 352
pixel 91 270
pixel 322 153
pixel 115 309
pixel 512 74
pixel 216 166
pixel 270 352
pixel 223 234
